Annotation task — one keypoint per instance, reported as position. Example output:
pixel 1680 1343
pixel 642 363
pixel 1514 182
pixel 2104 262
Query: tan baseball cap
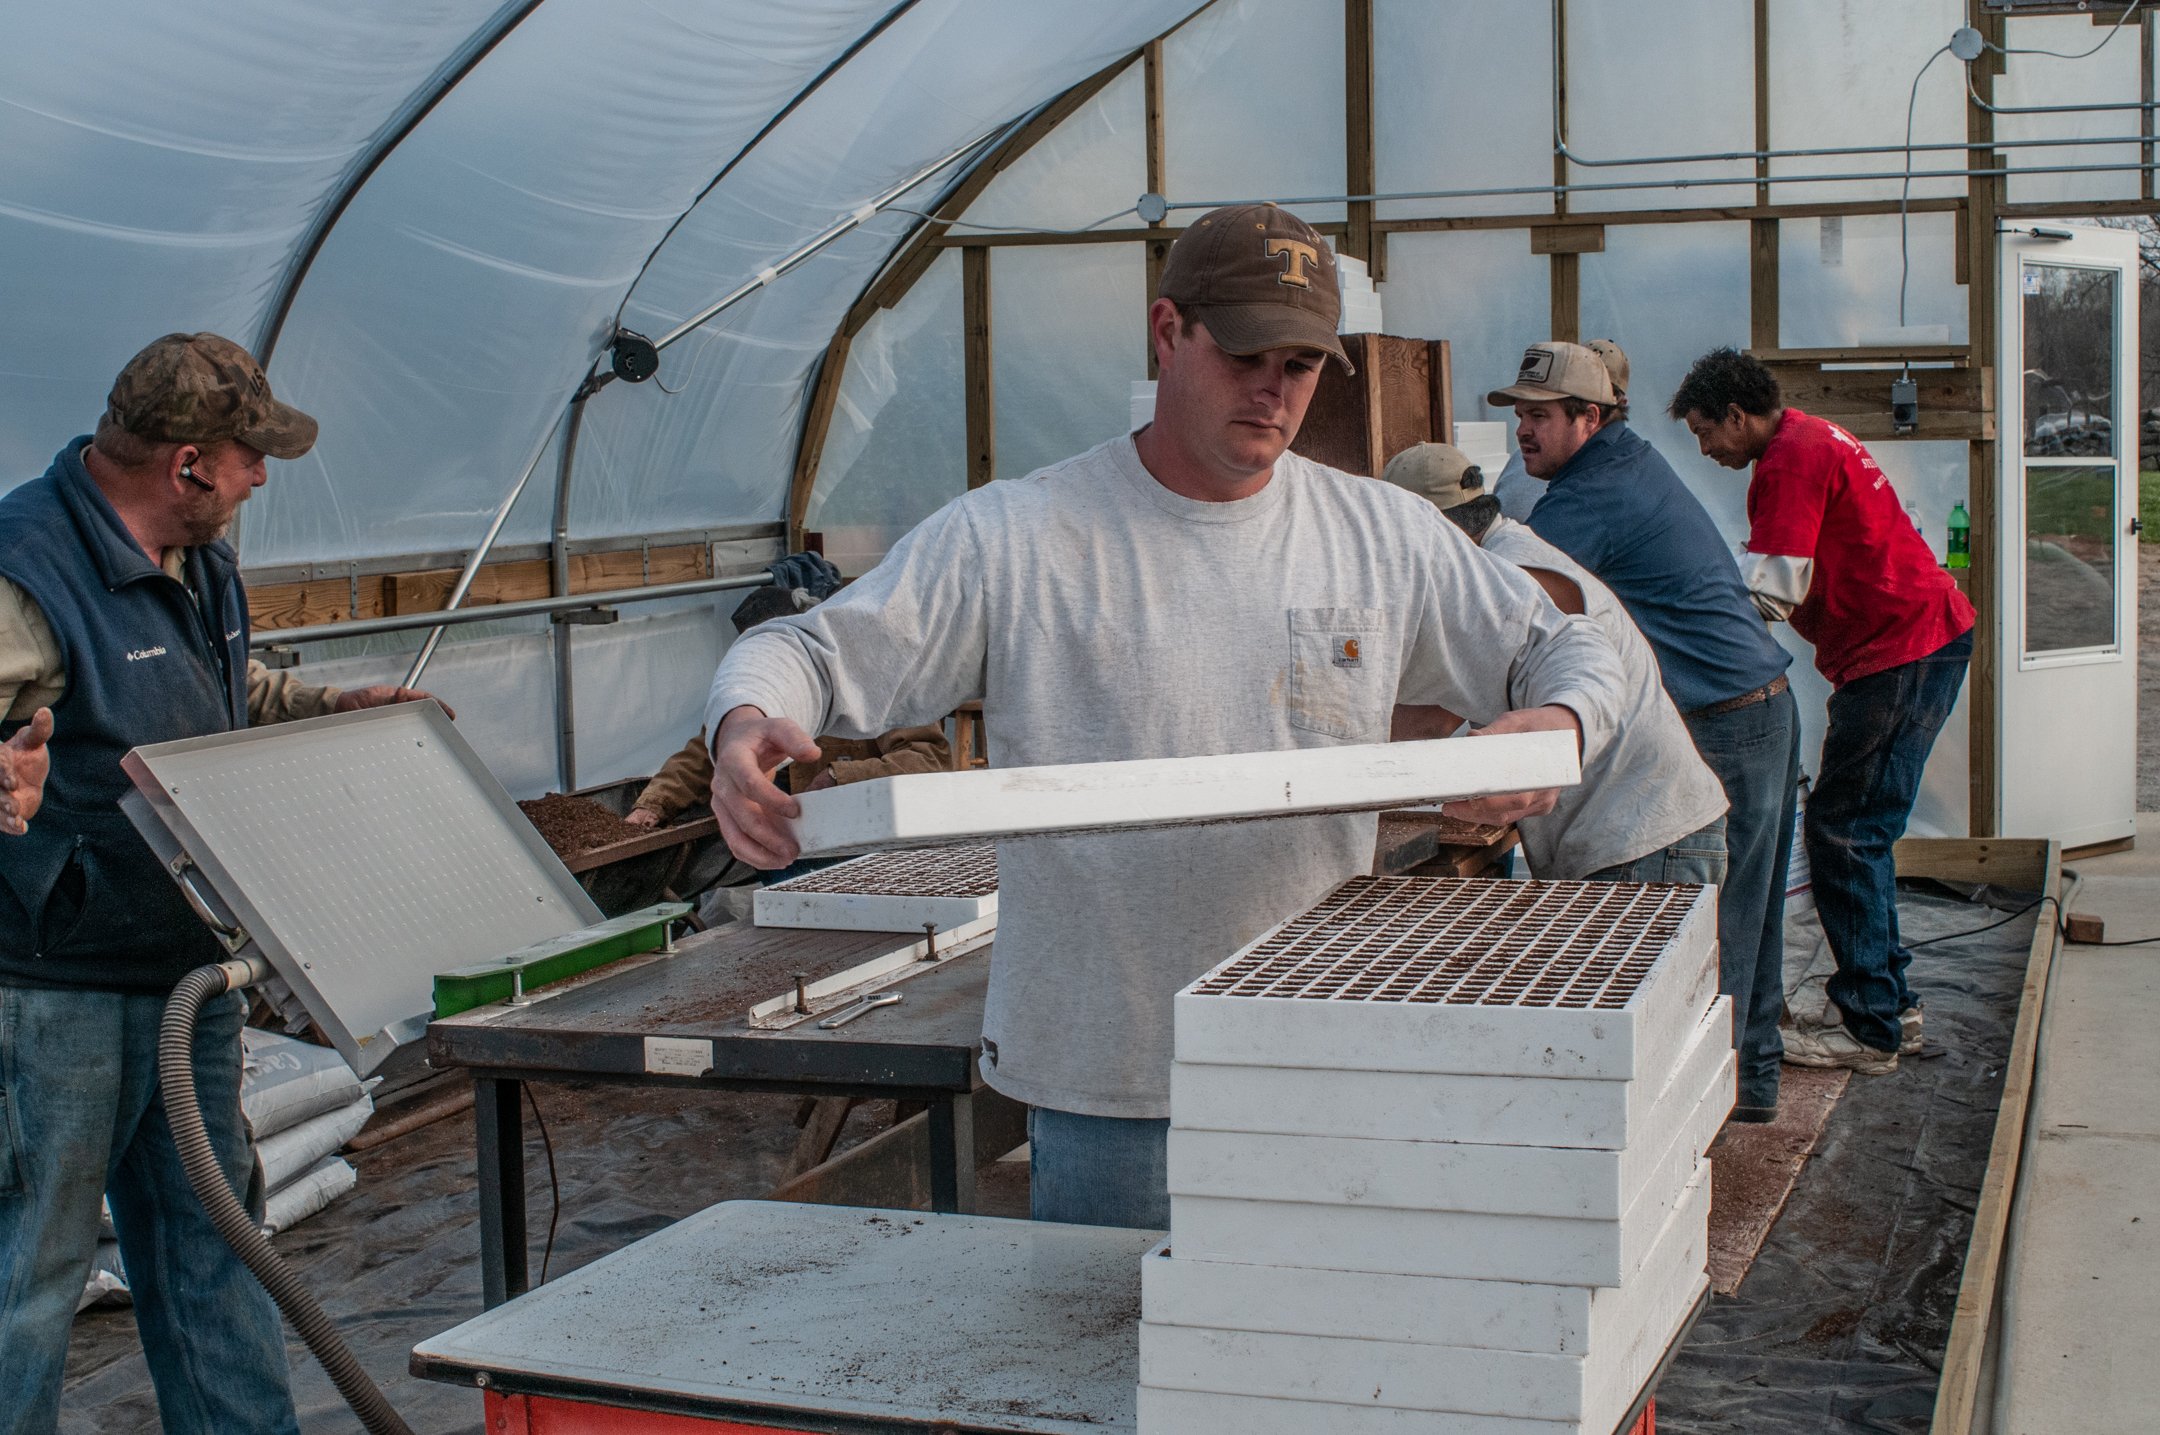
pixel 1616 365
pixel 1260 278
pixel 201 388
pixel 1556 370
pixel 1439 472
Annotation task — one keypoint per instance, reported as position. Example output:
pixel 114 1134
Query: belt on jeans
pixel 1762 694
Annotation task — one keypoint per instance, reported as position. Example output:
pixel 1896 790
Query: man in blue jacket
pixel 1614 505
pixel 122 622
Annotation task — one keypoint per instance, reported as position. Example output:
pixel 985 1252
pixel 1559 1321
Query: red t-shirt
pixel 1877 598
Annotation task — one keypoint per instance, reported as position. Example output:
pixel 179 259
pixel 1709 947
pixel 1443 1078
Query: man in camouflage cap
pixel 123 621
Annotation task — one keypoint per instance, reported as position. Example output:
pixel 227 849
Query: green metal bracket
pixel 552 960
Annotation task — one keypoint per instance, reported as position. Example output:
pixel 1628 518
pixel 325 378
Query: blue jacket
pixel 83 902
pixel 1618 509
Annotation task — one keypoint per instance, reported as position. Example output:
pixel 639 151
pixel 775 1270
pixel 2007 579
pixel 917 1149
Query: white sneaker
pixel 1835 1046
pixel 1909 1039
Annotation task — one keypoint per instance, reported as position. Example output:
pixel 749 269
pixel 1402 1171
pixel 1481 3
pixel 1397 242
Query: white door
pixel 2067 497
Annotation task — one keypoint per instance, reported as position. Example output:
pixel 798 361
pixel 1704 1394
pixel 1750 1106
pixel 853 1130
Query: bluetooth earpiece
pixel 187 471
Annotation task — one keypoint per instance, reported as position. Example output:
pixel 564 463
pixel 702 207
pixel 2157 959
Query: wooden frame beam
pixel 979 382
pixel 1983 198
pixel 1565 274
pixel 1764 317
pixel 1358 168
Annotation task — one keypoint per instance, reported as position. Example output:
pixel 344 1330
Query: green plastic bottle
pixel 1960 552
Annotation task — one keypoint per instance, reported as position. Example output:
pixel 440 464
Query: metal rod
pixel 866 211
pixel 2093 108
pixel 559 586
pixel 479 555
pixel 526 608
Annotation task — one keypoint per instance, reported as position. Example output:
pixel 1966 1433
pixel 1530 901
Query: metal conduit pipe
pixel 492 612
pixel 1836 151
pixel 2093 108
pixel 559 586
pixel 1677 182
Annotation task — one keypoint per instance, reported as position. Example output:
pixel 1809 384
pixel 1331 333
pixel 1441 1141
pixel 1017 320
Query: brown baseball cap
pixel 1260 278
pixel 201 388
pixel 1556 370
pixel 1616 365
pixel 1438 472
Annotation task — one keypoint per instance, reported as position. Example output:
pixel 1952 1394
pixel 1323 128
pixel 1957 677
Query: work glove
pixel 807 571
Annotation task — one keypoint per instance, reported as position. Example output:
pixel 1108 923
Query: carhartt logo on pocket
pixel 1346 653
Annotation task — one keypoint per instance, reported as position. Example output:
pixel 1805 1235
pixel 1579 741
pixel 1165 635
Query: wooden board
pixel 273 606
pixel 1954 403
pixel 1358 422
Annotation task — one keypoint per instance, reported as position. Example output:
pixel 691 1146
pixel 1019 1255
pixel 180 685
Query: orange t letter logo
pixel 1295 255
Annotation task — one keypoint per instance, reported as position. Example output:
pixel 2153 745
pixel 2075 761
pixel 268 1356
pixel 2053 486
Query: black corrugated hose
pixel 183 1113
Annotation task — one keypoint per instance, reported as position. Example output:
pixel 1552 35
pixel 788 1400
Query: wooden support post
pixel 1983 197
pixel 981 385
pixel 817 423
pixel 2145 93
pixel 1763 318
pixel 1358 125
pixel 1566 271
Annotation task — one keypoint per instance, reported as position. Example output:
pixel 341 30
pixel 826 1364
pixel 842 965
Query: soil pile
pixel 575 825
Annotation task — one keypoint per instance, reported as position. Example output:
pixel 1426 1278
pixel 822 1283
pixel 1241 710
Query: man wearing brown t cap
pixel 1192 588
pixel 123 621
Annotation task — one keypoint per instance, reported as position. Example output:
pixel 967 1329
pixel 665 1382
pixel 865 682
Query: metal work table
pixel 833 1319
pixel 680 1020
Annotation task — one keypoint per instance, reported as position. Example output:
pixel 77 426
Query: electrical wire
pixel 1904 223
pixel 1976 931
pixel 547 1251
pixel 2130 8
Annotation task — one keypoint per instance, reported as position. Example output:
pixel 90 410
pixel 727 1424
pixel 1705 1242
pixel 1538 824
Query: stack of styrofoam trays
pixel 1436 1162
pixel 944 887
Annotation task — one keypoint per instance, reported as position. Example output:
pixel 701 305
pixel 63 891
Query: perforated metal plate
pixel 363 853
pixel 1470 943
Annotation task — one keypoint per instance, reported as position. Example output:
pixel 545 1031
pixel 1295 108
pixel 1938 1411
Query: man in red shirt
pixel 1830 550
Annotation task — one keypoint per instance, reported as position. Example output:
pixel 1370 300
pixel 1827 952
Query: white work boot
pixel 1909 1038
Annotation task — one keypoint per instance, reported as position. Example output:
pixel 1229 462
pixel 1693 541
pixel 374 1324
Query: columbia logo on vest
pixel 140 653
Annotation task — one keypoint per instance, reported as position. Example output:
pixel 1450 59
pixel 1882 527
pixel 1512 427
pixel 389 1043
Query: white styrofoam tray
pixel 1598 980
pixel 902 891
pixel 1571 1183
pixel 1479 1245
pixel 1415 1106
pixel 1177 1289
pixel 933 809
pixel 1586 1392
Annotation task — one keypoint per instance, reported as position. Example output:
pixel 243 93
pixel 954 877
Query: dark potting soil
pixel 574 825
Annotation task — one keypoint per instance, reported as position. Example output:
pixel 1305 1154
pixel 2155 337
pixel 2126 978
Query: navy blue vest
pixel 83 903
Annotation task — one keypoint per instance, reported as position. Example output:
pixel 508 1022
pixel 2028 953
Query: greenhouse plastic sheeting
pixel 479 270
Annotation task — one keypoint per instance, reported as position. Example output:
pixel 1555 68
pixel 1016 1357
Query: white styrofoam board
pixel 1645 1036
pixel 1479 1245
pixel 1571 1183
pixel 1589 1391
pixel 1177 1289
pixel 1413 1106
pixel 1204 1412
pixel 907 959
pixel 933 809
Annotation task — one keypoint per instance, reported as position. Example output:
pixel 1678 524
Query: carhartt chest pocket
pixel 1341 672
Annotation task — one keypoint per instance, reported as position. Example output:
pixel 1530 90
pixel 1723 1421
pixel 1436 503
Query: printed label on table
pixel 678 1055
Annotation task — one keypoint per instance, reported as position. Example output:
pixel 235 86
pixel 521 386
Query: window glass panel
pixel 2069 360
pixel 2069 557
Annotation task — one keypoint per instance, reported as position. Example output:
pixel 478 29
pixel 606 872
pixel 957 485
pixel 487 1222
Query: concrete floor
pixel 2081 1298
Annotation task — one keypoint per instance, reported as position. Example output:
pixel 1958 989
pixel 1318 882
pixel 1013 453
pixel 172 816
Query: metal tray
pixel 360 853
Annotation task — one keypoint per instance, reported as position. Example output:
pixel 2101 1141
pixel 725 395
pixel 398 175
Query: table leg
pixel 500 1131
pixel 952 1153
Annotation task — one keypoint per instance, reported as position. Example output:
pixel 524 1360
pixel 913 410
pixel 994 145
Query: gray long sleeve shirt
pixel 1099 616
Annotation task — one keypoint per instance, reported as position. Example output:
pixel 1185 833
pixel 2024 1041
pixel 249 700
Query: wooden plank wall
pixel 329 600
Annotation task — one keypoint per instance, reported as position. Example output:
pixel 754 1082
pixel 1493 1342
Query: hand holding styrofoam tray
pixel 936 808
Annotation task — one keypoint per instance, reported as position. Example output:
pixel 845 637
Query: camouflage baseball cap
pixel 201 388
pixel 1260 278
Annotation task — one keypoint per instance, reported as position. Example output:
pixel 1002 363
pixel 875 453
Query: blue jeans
pixel 1755 751
pixel 80 1118
pixel 1698 857
pixel 1098 1170
pixel 1882 728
